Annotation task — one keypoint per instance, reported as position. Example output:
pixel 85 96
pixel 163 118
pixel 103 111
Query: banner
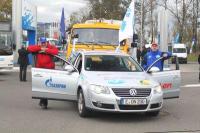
pixel 127 26
pixel 29 16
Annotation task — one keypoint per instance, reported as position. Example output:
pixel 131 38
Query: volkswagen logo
pixel 133 92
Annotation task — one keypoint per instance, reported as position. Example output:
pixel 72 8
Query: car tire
pixel 82 110
pixel 152 114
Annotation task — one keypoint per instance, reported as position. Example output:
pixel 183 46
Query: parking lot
pixel 20 114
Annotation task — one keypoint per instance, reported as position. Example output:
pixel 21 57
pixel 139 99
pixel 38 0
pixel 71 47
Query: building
pixel 48 30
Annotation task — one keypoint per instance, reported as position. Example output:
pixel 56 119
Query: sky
pixel 50 10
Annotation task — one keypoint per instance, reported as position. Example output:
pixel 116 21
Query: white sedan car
pixel 106 81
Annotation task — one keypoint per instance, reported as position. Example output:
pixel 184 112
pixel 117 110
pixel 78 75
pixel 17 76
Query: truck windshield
pixel 111 63
pixel 5 44
pixel 179 50
pixel 98 36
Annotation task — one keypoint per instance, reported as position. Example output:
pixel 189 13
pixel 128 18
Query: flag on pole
pixel 193 43
pixel 127 26
pixel 62 24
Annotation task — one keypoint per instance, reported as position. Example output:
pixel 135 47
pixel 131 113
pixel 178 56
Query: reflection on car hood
pixel 120 79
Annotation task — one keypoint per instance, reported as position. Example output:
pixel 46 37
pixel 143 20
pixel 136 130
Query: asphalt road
pixel 20 114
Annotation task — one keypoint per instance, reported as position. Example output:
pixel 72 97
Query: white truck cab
pixel 180 51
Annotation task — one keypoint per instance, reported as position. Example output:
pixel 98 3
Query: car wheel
pixel 82 110
pixel 153 113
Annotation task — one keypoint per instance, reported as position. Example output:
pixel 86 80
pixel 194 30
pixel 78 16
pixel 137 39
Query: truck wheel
pixel 153 113
pixel 82 110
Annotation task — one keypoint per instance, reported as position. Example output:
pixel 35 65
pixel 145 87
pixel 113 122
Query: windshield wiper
pixel 85 43
pixel 106 43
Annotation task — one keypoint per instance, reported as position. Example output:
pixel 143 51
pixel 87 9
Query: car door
pixel 169 80
pixel 55 84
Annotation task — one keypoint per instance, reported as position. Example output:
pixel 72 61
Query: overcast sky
pixel 50 10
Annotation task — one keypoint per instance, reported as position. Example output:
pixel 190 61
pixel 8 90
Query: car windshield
pixel 111 63
pixel 5 40
pixel 179 50
pixel 5 44
pixel 98 36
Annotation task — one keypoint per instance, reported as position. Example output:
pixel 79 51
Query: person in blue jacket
pixel 153 55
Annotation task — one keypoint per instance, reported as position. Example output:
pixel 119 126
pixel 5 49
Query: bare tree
pixel 180 10
pixel 5 10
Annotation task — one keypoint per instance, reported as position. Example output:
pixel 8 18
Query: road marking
pixel 192 85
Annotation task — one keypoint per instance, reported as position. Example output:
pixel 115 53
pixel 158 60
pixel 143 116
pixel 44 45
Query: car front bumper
pixel 111 103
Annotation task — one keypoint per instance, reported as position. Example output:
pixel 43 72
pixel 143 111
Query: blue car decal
pixel 115 81
pixel 50 84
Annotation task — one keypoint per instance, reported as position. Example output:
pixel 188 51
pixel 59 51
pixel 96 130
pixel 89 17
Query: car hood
pixel 120 79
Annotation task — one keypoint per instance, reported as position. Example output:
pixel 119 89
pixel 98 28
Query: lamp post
pixel 100 2
pixel 141 37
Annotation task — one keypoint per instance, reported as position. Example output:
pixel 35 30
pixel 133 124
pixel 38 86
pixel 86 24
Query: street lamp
pixel 100 2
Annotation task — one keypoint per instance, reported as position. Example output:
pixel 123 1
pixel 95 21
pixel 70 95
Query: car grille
pixel 124 92
pixel 131 107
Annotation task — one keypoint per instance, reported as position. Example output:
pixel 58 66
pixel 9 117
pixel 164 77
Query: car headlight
pixel 99 89
pixel 157 89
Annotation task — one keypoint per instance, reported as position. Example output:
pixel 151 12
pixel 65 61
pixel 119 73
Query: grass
pixel 193 57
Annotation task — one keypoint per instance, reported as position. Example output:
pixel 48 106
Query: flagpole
pixel 134 54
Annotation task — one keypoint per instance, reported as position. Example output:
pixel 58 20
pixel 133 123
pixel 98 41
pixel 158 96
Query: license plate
pixel 133 101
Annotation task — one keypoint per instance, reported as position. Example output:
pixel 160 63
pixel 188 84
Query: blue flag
pixel 62 24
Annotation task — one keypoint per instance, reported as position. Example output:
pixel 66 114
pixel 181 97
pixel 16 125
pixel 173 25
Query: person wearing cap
pixel 44 52
pixel 153 55
pixel 23 62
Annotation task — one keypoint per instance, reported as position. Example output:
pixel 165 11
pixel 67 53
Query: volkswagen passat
pixel 105 81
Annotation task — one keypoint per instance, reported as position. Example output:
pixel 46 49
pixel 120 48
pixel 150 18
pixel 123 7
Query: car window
pixel 59 63
pixel 73 57
pixel 78 64
pixel 111 63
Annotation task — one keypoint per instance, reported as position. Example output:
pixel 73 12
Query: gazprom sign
pixel 29 16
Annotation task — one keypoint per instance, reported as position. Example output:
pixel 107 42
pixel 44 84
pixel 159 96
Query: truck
pixel 6 47
pixel 179 50
pixel 100 35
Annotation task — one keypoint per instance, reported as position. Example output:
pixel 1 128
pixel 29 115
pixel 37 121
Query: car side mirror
pixel 75 36
pixel 154 69
pixel 69 68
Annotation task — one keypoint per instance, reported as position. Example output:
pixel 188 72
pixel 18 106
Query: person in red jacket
pixel 44 52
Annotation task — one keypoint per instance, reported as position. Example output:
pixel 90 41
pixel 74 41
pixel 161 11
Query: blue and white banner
pixel 29 16
pixel 193 43
pixel 127 26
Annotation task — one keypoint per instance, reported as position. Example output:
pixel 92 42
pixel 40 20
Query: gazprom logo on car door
pixel 50 84
pixel 1 59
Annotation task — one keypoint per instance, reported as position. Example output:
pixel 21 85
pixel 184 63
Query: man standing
pixel 44 59
pixel 138 55
pixel 153 55
pixel 23 62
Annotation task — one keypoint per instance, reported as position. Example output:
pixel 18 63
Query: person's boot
pixel 43 103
